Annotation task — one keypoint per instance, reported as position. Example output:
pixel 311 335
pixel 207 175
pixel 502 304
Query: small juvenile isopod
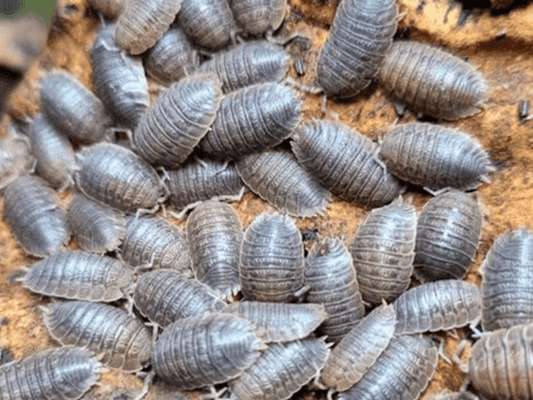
pixel 463 395
pixel 523 111
pixel 448 233
pixel 345 162
pixel 214 233
pixel 435 306
pixel 361 34
pixel 272 260
pixel 124 341
pixel 79 275
pixel 435 157
pixel 109 8
pixel 332 281
pixel 278 178
pixel 38 222
pixel 257 17
pixel 383 252
pixel 164 296
pixel 15 157
pixel 432 81
pixel 60 373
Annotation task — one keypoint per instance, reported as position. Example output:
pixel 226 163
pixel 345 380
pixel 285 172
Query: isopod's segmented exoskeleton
pixel 179 119
pixel 214 233
pixel 257 17
pixel 436 306
pixel 356 45
pixel 447 236
pixel 117 177
pixel 201 180
pixel 383 252
pixel 79 275
pixel 507 287
pixel 143 22
pixel 345 162
pixel 152 240
pixel 164 296
pixel 61 373
pixel 252 119
pixel 204 350
pixel 272 260
pixel 332 281
pixel 72 108
pixel 432 81
pixel 248 64
pixel 109 8
pixel 124 341
pixel 280 322
pixel 281 370
pixel 353 356
pixel 402 371
pixel 38 222
pixel 435 157
pixel 278 178
pixel 15 157
pixel 119 79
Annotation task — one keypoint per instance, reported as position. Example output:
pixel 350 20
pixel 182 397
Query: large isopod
pixel 259 17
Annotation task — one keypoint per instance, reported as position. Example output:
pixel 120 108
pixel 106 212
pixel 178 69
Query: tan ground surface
pixel 501 46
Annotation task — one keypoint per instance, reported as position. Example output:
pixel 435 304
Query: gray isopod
pixel 204 350
pixel 117 177
pixel 214 233
pixel 507 287
pixel 332 281
pixel 272 260
pixel 109 8
pixel 257 17
pixel 360 36
pixel 353 356
pixel 435 306
pixel 278 178
pixel 79 275
pixel 152 240
pixel 95 227
pixel 383 252
pixel 123 340
pixel 72 108
pixel 143 22
pixel 15 157
pixel 201 180
pixel 281 370
pixel 164 296
pixel 61 373
pixel 179 119
pixel 252 119
pixel 447 236
pixel 119 79
pixel 345 162
pixel 435 157
pixel 402 371
pixel 432 81
pixel 38 222
pixel 247 64
pixel 280 322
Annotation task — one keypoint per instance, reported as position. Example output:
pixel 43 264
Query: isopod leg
pixel 146 385
pixel 456 358
pixel 213 394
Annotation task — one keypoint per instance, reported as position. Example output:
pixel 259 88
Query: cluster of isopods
pixel 248 309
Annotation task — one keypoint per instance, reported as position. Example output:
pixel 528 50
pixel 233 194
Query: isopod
pixel 523 111
pixel 204 350
pixel 257 17
pixel 109 8
pixel 15 157
pixel 447 236
pixel 383 252
pixel 435 157
pixel 38 222
pixel 79 275
pixel 435 306
pixel 278 178
pixel 332 281
pixel 345 162
pixel 252 119
pixel 164 296
pixel 124 341
pixel 272 260
pixel 360 36
pixel 507 287
pixel 280 322
pixel 214 233
pixel 432 81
